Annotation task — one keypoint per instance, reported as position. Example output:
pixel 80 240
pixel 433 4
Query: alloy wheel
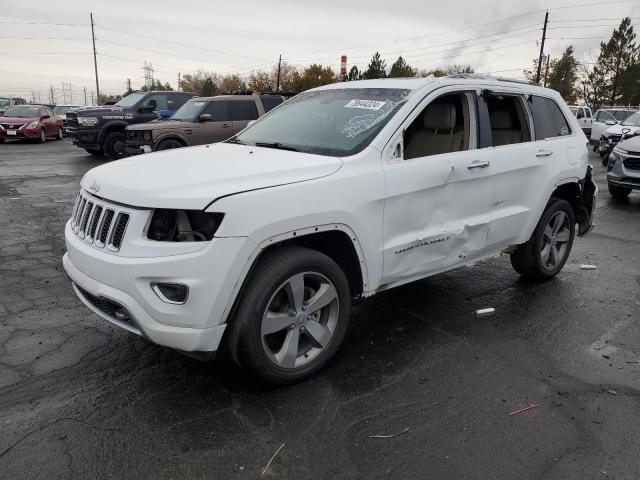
pixel 555 240
pixel 300 320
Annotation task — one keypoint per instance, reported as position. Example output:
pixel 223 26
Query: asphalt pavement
pixel 82 399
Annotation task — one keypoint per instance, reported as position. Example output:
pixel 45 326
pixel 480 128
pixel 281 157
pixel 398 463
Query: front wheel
pixel 114 145
pixel 59 135
pixel 605 159
pixel 546 252
pixel 292 317
pixel 619 193
pixel 169 144
pixel 43 136
pixel 96 152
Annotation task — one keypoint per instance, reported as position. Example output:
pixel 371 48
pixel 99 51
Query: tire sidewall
pixel 163 145
pixel 251 351
pixel 536 240
pixel 109 145
pixel 43 136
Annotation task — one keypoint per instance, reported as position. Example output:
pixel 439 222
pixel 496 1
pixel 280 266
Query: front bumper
pixel 588 196
pixel 85 137
pixel 21 133
pixel 196 326
pixel 622 175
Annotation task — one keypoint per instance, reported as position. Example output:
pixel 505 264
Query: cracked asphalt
pixel 82 399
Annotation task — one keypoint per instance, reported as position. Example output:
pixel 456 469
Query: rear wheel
pixel 114 145
pixel 292 317
pixel 169 144
pixel 59 134
pixel 546 252
pixel 96 152
pixel 619 193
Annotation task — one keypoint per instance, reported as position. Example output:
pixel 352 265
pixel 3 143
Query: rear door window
pixel 270 102
pixel 508 120
pixel 243 110
pixel 548 120
pixel 219 111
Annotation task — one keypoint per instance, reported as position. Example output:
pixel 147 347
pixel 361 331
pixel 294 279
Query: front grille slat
pixel 99 223
pixel 632 163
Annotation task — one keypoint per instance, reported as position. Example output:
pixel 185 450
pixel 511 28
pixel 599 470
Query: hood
pixel 93 111
pixel 191 178
pixel 617 129
pixel 17 119
pixel 159 124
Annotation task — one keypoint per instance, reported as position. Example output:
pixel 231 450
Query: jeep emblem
pixel 95 187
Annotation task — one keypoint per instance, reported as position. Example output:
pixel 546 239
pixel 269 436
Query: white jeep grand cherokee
pixel 338 194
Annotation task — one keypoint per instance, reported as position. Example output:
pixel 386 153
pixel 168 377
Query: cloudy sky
pixel 46 43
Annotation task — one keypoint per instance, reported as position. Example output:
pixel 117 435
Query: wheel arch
pixel 169 136
pixel 113 126
pixel 337 241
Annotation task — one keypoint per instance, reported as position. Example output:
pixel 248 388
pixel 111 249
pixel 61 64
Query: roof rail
pixel 485 76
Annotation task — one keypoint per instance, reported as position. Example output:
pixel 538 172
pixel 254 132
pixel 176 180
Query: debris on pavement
pixel 524 409
pixel 391 436
pixel 606 356
pixel 271 460
pixel 485 312
pixel 587 267
pixel 612 392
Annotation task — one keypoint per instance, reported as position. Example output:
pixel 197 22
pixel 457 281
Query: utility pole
pixel 92 101
pixel 128 85
pixel 85 96
pixel 148 75
pixel 544 36
pixel 279 65
pixel 178 89
pixel 52 99
pixel 546 71
pixel 95 61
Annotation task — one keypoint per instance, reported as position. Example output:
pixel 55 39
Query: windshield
pixel 21 112
pixel 189 111
pixel 131 100
pixel 632 121
pixel 622 115
pixel 4 102
pixel 62 109
pixel 337 122
pixel 574 110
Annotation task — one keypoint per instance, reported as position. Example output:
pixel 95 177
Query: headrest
pixel 440 116
pixel 500 120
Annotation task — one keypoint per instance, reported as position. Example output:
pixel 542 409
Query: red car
pixel 30 121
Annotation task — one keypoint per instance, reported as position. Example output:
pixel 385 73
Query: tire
pixel 605 159
pixel 602 154
pixel 261 346
pixel 43 136
pixel 169 144
pixel 1 140
pixel 548 249
pixel 60 134
pixel 114 145
pixel 619 193
pixel 96 152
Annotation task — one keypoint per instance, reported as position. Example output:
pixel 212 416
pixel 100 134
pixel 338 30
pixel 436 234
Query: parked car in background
pixel 342 192
pixel 605 118
pixel 201 120
pixel 30 122
pixel 615 134
pixel 583 115
pixel 61 111
pixel 6 102
pixel 100 130
pixel 623 173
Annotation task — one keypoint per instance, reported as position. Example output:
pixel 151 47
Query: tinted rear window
pixel 270 102
pixel 243 110
pixel 548 119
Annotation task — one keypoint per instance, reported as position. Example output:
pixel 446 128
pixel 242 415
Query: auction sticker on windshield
pixel 366 104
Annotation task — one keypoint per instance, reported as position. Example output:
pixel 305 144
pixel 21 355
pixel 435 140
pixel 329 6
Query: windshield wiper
pixel 234 140
pixel 277 145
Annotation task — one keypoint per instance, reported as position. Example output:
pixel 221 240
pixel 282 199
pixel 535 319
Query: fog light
pixel 175 293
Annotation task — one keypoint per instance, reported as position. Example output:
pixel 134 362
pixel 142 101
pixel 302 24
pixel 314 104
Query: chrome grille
pixel 632 163
pixel 99 223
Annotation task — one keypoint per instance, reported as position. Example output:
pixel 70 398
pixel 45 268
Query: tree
pixel 354 74
pixel 530 75
pixel 630 85
pixel 314 75
pixel 597 87
pixel 287 72
pixel 232 83
pixel 401 68
pixel 157 85
pixel 446 70
pixel 617 55
pixel 196 82
pixel 564 76
pixel 377 68
pixel 260 81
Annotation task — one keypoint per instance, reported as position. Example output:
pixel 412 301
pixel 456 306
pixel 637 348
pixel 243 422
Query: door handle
pixel 226 125
pixel 478 164
pixel 544 153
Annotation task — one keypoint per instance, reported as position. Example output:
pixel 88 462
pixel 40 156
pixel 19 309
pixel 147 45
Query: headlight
pixel 33 124
pixel 615 157
pixel 88 121
pixel 169 225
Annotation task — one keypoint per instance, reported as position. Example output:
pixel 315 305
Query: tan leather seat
pixel 502 131
pixel 438 135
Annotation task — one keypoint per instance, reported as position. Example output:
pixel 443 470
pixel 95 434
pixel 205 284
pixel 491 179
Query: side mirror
pixel 44 117
pixel 609 122
pixel 251 122
pixel 205 117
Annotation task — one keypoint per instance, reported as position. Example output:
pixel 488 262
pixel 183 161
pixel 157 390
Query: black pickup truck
pixel 100 130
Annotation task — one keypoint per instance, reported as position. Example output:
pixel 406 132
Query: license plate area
pixel 12 133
